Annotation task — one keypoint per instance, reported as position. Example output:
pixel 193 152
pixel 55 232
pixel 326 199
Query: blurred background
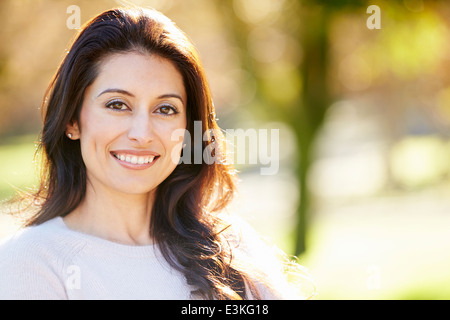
pixel 362 192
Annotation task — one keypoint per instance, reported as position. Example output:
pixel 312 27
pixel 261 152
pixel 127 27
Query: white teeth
pixel 135 159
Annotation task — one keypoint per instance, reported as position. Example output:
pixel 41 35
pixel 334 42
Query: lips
pixel 135 159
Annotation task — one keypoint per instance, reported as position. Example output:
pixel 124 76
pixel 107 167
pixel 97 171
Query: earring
pixel 69 135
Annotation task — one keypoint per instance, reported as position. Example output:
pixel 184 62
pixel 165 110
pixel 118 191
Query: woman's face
pixel 126 123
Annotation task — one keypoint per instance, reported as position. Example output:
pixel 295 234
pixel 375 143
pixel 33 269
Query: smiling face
pixel 126 123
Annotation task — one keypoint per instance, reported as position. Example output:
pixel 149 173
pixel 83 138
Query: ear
pixel 73 130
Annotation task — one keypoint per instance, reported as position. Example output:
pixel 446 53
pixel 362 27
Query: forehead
pixel 139 73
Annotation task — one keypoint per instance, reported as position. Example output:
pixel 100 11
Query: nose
pixel 141 129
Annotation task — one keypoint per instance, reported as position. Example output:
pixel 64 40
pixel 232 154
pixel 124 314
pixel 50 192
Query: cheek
pixel 96 131
pixel 172 138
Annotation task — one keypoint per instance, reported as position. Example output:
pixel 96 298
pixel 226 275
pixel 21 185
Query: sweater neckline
pixel 116 247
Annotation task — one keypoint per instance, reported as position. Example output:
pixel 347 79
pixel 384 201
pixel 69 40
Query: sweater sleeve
pixel 28 273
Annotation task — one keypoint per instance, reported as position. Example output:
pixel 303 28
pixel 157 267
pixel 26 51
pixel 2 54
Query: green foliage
pixel 17 166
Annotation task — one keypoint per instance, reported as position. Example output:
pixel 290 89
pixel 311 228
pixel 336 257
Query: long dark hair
pixel 185 223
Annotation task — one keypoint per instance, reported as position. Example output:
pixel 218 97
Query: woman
pixel 119 216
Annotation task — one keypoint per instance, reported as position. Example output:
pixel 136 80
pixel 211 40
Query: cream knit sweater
pixel 51 261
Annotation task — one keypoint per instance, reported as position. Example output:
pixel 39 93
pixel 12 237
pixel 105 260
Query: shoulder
pixel 44 240
pixel 31 262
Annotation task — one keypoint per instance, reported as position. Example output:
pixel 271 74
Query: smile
pixel 135 161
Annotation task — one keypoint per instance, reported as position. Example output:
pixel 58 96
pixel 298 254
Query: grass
pixel 17 167
pixel 382 248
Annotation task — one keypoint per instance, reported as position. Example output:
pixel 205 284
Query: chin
pixel 135 189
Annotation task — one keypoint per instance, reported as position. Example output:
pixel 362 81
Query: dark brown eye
pixel 167 110
pixel 116 105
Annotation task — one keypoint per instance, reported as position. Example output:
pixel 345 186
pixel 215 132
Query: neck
pixel 115 216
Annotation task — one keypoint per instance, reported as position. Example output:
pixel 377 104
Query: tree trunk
pixel 315 101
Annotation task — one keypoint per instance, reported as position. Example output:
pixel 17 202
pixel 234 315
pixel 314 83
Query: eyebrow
pixel 171 95
pixel 125 92
pixel 116 91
